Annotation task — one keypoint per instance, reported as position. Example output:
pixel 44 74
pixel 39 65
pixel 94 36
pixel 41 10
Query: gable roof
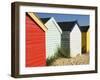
pixel 37 20
pixel 67 26
pixel 44 20
pixel 84 28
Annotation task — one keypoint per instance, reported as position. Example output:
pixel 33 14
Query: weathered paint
pixel 53 37
pixel 75 41
pixel 35 44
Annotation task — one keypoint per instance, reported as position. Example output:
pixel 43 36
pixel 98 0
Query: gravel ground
pixel 78 60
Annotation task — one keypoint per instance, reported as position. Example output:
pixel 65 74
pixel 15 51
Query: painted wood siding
pixel 84 42
pixel 75 41
pixel 65 40
pixel 88 42
pixel 35 44
pixel 53 38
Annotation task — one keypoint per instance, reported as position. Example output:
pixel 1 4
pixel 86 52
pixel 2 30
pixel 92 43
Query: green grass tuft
pixel 61 52
pixel 50 60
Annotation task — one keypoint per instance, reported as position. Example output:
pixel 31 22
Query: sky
pixel 83 20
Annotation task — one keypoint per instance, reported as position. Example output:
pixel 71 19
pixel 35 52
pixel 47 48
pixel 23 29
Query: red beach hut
pixel 35 41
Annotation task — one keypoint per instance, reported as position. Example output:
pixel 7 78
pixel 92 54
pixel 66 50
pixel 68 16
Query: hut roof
pixel 84 28
pixel 44 20
pixel 67 26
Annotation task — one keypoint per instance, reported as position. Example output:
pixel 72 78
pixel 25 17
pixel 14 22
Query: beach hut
pixel 53 36
pixel 35 41
pixel 71 37
pixel 85 39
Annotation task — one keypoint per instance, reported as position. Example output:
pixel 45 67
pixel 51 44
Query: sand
pixel 78 60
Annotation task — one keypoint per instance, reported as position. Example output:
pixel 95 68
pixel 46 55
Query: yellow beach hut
pixel 85 39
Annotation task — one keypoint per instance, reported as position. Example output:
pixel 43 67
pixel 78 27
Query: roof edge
pixel 35 18
pixel 58 27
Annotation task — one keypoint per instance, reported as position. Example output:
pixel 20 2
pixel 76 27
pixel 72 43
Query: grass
pixel 50 60
pixel 61 52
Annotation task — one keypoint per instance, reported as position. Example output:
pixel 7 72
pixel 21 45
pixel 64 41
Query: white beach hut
pixel 71 37
pixel 53 36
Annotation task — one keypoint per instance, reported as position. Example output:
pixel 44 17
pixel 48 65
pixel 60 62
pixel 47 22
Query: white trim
pixel 35 18
pixel 56 24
